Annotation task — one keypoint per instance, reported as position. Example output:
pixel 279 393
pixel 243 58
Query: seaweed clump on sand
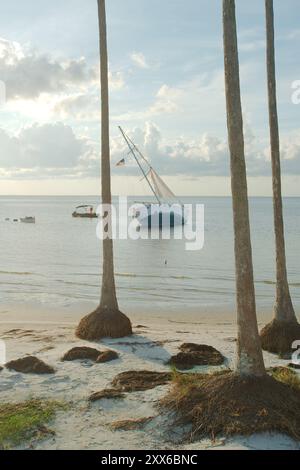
pixel 92 354
pixel 108 393
pixel 227 404
pixel 140 380
pixel 278 337
pixel 191 355
pixel 81 353
pixel 130 424
pixel 30 365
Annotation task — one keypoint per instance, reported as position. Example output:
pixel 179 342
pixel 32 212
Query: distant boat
pixel 86 212
pixel 28 220
pixel 167 210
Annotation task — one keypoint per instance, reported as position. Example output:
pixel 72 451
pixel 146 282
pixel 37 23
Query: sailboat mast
pixel 131 146
pixel 139 152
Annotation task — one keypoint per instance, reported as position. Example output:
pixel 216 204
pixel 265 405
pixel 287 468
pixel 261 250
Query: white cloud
pixel 116 80
pixel 53 150
pixel 202 156
pixel 28 74
pixel 166 100
pixel 44 150
pixel 207 155
pixel 40 87
pixel 85 107
pixel 198 98
pixel 139 59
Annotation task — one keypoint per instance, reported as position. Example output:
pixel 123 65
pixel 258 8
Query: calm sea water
pixel 57 261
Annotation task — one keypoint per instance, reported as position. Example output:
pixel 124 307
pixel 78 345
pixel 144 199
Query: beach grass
pixel 22 421
pixel 189 380
pixel 285 375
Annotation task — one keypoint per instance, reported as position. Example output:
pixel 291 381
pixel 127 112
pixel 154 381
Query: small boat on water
pixel 167 210
pixel 28 220
pixel 85 212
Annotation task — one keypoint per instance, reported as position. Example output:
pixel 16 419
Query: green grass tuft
pixel 286 376
pixel 21 421
pixel 187 382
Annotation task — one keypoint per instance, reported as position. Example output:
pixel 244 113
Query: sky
pixel 166 79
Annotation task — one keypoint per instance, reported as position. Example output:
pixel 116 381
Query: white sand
pixel 49 333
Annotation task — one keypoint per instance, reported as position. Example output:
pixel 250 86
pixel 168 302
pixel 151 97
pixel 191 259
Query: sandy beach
pixel 45 332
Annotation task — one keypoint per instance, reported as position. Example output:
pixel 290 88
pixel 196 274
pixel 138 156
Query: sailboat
pixel 167 210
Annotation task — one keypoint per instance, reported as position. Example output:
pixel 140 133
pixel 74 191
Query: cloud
pixel 197 99
pixel 31 76
pixel 139 59
pixel 166 100
pixel 189 99
pixel 207 155
pixel 86 106
pixel 28 74
pixel 80 106
pixel 204 156
pixel 290 153
pixel 43 150
pixel 53 150
pixel 116 80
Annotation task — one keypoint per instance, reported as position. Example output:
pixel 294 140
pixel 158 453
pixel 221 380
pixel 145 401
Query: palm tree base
pixel 277 337
pixel 226 404
pixel 104 323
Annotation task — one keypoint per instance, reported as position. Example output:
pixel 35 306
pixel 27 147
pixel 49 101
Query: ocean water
pixel 57 261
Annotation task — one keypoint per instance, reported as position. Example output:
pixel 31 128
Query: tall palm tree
pixel 279 335
pixel 232 403
pixel 249 353
pixel 106 320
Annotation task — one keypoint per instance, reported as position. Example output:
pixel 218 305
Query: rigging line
pixel 129 143
pixel 144 176
pixel 140 153
pixel 145 160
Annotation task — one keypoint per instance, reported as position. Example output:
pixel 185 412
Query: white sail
pixel 169 210
pixel 161 189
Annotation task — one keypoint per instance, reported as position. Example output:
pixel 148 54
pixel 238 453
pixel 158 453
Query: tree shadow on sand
pixel 141 346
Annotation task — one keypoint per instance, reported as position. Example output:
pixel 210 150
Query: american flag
pixel 121 162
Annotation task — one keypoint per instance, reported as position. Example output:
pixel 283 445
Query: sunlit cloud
pixel 139 59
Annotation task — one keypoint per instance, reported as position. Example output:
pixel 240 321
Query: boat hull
pixel 160 217
pixel 84 216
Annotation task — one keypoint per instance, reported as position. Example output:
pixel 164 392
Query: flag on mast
pixel 121 162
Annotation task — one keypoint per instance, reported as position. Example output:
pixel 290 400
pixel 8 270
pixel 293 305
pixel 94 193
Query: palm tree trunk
pixel 108 292
pixel 249 353
pixel 283 309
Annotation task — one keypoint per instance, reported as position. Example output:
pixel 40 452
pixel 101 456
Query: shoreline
pixel 33 312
